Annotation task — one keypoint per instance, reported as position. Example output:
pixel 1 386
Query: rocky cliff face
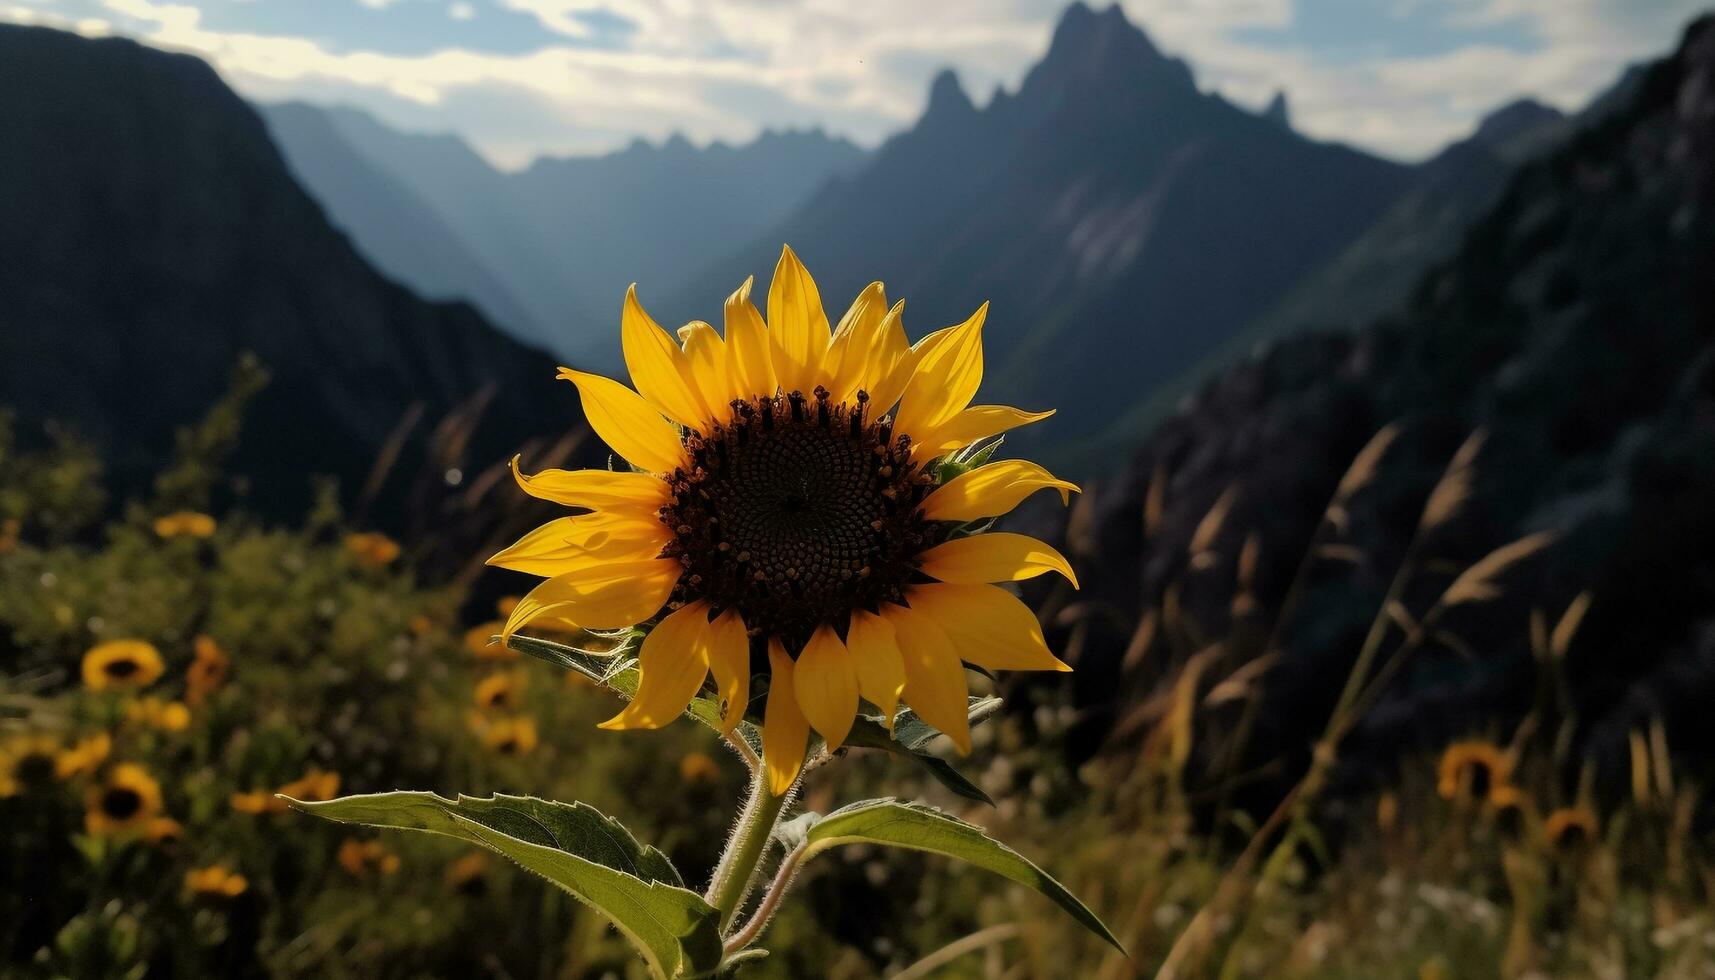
pixel 150 233
pixel 1575 328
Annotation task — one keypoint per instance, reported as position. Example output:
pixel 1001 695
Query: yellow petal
pixel 946 379
pixel 999 556
pixel 797 326
pixel 826 686
pixel 750 366
pixel 972 425
pixel 850 351
pixel 991 490
pixel 596 489
pixel 629 425
pixel 934 679
pixel 988 626
pixel 875 658
pixel 729 661
pixel 670 668
pixel 659 369
pixel 603 597
pixel 705 351
pixel 891 364
pixel 785 732
pixel 571 543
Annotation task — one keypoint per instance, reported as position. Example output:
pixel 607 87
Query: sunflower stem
pixel 736 873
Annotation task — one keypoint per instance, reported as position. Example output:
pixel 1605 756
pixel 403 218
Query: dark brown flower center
pixel 121 669
pixel 121 802
pixel 1478 778
pixel 796 513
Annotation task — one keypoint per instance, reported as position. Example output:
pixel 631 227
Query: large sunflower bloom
pixel 782 511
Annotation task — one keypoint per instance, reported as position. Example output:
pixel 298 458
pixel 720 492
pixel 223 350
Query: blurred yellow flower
pixel 208 670
pixel 359 858
pixel 505 604
pixel 510 736
pixel 166 716
pixel 314 786
pixel 9 529
pixel 697 767
pixel 372 549
pixel 84 758
pixel 500 692
pixel 1570 831
pixel 779 506
pixel 469 874
pixel 1512 811
pixel 477 640
pixel 421 625
pixel 184 523
pixel 164 832
pixel 127 664
pixel 215 881
pixel 1472 769
pixel 27 762
pixel 1387 813
pixel 256 801
pixel 128 801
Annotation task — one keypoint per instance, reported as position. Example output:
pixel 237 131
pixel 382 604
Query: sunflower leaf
pixel 924 828
pixel 574 846
pixel 911 733
pixel 619 674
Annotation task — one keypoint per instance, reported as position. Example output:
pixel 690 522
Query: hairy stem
pixel 770 901
pixel 735 875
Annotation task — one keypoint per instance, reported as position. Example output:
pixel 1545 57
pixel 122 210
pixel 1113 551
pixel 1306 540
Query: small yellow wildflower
pixel 510 736
pixel 1570 831
pixel 477 641
pixel 314 786
pixel 208 671
pixel 127 664
pixel 256 801
pixel 84 758
pixel 166 716
pixel 697 767
pixel 184 523
pixel 215 881
pixel 359 858
pixel 469 874
pixel 1472 769
pixel 128 801
pixel 27 762
pixel 164 832
pixel 373 549
pixel 499 692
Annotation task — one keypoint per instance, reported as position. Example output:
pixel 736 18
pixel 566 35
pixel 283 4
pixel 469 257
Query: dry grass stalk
pixel 1240 683
pixel 1209 528
pixel 1142 639
pixel 1561 639
pixel 1154 500
pixel 1366 462
pixel 1454 488
pixel 1249 555
pixel 1478 583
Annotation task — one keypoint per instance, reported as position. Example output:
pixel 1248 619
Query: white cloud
pixel 725 70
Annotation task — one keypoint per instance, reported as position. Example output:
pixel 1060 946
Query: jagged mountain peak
pixel 947 96
pixel 1513 119
pixel 1278 111
pixel 1106 49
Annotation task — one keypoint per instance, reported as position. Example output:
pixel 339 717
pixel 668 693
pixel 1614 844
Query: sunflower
pixel 1472 769
pixel 314 786
pixel 499 692
pixel 184 523
pixel 164 833
pixel 208 670
pixel 1512 811
pixel 128 800
pixel 215 881
pixel 127 664
pixel 784 510
pixel 85 757
pixel 1570 830
pixel 27 762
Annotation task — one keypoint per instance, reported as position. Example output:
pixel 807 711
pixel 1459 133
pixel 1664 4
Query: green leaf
pixel 911 733
pixel 617 671
pixel 575 846
pixel 924 828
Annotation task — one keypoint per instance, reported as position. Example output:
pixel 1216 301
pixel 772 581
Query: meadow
pixel 172 665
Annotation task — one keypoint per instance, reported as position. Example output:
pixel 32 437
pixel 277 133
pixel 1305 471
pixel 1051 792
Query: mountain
pixel 1122 222
pixel 394 228
pixel 150 233
pixel 568 234
pixel 1574 328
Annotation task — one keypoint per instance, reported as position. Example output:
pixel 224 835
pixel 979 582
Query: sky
pixel 522 78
